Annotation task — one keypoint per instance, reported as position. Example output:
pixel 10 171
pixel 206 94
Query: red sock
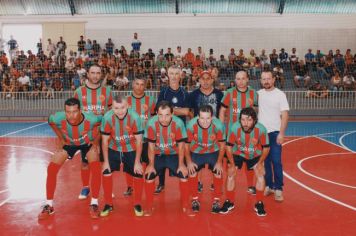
pixel 184 193
pixel 129 180
pixel 230 195
pixel 95 170
pixel 149 190
pixel 193 185
pixel 85 173
pixel 107 186
pixel 138 186
pixel 218 182
pixel 249 176
pixel 259 195
pixel 52 171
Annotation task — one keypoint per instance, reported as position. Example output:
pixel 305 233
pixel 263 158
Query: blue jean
pixel 273 163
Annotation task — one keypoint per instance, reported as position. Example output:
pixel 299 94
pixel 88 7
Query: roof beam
pixel 72 7
pixel 281 6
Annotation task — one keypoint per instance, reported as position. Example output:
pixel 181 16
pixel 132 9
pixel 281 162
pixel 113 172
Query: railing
pixel 25 104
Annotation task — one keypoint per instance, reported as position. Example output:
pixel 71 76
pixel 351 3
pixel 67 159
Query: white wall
pixel 219 32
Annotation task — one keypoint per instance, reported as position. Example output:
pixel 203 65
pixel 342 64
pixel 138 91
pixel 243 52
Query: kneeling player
pixel 122 142
pixel 75 131
pixel 205 145
pixel 247 142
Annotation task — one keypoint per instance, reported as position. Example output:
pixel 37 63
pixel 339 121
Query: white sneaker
pixel 278 196
pixel 268 191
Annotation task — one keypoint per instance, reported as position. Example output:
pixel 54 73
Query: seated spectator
pixel 24 82
pixel 274 58
pixel 348 81
pixel 189 56
pixel 279 76
pixel 231 84
pixel 339 61
pixel 283 57
pixel 349 60
pixel 121 82
pixel 7 87
pixel 209 62
pixel 301 74
pixel 184 80
pixel 309 59
pixel 293 57
pixel 317 91
pixel 222 65
pixel 336 82
pixel 264 58
pixel 162 79
pixel 320 67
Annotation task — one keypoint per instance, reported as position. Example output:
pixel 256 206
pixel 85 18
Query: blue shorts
pixel 127 158
pixel 239 160
pixel 72 149
pixel 207 158
pixel 167 161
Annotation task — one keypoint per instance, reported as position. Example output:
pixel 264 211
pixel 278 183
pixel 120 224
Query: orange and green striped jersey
pixel 235 100
pixel 247 145
pixel 166 138
pixel 205 140
pixel 144 106
pixel 122 131
pixel 96 101
pixel 83 133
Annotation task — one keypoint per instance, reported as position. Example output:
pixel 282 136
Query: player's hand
pixel 150 169
pixel 182 169
pixel 192 167
pixel 218 168
pixel 280 139
pixel 95 148
pixel 138 169
pixel 231 171
pixel 106 168
pixel 260 169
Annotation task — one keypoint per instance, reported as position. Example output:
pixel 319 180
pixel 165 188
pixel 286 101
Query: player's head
pixel 94 74
pixel 248 119
pixel 164 112
pixel 205 116
pixel 120 106
pixel 267 80
pixel 139 85
pixel 174 73
pixel 241 80
pixel 72 110
pixel 206 80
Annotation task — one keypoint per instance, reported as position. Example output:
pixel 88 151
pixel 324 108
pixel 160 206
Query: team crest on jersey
pixel 254 141
pixel 172 135
pixel 144 107
pixel 174 100
pixel 212 137
pixel 102 98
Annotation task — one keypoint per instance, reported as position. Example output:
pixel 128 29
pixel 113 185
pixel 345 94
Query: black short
pixel 167 161
pixel 206 158
pixel 144 155
pixel 239 160
pixel 72 149
pixel 127 158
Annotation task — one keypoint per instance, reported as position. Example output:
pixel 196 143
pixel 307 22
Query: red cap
pixel 205 72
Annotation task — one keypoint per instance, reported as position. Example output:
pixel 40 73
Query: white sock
pixel 94 201
pixel 49 202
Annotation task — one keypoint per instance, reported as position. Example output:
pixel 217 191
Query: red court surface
pixel 318 205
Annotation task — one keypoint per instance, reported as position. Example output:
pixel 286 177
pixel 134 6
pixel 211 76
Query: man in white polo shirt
pixel 273 114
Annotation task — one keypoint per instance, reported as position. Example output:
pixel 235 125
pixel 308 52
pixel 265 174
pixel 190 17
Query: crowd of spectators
pixel 55 68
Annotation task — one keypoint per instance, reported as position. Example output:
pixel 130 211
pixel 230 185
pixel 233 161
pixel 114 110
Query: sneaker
pixel 212 188
pixel 47 210
pixel 260 209
pixel 84 193
pixel 195 205
pixel 159 189
pixel 215 208
pixel 200 187
pixel 138 210
pixel 278 196
pixel 94 211
pixel 128 192
pixel 251 190
pixel 268 191
pixel 227 207
pixel 148 212
pixel 106 211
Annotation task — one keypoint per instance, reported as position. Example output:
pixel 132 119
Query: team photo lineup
pixel 239 129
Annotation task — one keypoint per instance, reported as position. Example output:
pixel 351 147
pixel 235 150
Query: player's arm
pixel 284 124
pixel 105 147
pixel 58 132
pixel 138 167
pixel 222 113
pixel 181 111
pixel 188 158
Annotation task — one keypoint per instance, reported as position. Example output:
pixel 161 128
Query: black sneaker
pixel 212 187
pixel 200 187
pixel 260 209
pixel 195 205
pixel 215 208
pixel 138 210
pixel 107 210
pixel 128 192
pixel 227 207
pixel 251 190
pixel 159 189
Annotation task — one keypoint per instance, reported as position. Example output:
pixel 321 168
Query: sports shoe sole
pixel 259 214
pixel 228 210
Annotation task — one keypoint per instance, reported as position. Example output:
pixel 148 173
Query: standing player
pixel 247 142
pixel 94 98
pixel 178 97
pixel 75 131
pixel 122 142
pixel 166 135
pixel 273 113
pixel 233 101
pixel 144 105
pixel 205 145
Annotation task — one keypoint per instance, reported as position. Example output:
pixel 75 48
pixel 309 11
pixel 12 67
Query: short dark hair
pixel 119 98
pixel 94 65
pixel 206 108
pixel 72 102
pixel 249 111
pixel 163 105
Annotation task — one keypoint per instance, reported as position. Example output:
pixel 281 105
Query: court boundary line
pixel 342 143
pixel 20 130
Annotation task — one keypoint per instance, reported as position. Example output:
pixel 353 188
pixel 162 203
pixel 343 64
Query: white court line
pixel 309 188
pixel 342 143
pixel 317 177
pixel 20 130
pixel 5 190
pixel 5 201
